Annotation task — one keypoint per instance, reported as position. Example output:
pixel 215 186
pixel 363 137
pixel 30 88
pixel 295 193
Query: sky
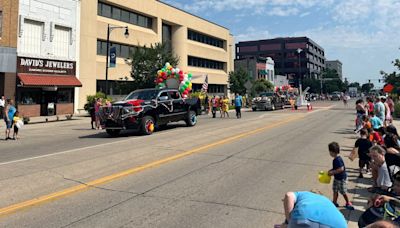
pixel 363 34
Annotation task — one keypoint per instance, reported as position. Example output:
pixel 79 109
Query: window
pixel 205 63
pixel 32 37
pixel 64 96
pixel 61 41
pixel 1 22
pixel 122 50
pixel 120 14
pixel 174 95
pixel 167 35
pixel 195 36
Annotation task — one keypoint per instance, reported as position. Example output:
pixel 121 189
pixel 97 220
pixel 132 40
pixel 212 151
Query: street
pixel 220 173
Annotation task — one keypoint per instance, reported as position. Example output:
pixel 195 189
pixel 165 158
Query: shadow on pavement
pixel 128 133
pixel 345 131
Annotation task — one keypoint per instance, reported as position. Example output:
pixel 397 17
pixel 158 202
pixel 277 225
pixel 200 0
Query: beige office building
pixel 204 48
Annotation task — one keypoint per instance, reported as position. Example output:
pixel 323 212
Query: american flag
pixel 204 88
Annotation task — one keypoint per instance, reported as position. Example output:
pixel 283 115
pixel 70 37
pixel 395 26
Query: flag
pixel 204 88
pixel 113 57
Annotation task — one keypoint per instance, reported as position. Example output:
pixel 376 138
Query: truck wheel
pixel 191 119
pixel 254 109
pixel 147 125
pixel 113 132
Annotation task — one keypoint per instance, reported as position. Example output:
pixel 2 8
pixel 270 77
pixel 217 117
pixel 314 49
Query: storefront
pixel 45 87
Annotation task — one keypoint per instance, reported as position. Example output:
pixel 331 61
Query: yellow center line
pixel 115 176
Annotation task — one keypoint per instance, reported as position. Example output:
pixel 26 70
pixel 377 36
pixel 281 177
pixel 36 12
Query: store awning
pixel 35 80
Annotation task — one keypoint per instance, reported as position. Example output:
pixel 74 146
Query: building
pixel 8 47
pixel 204 48
pixel 335 65
pixel 46 66
pixel 284 52
pixel 255 67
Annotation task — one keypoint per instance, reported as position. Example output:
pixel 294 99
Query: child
pixel 375 121
pixel 366 123
pixel 339 172
pixel 375 136
pixel 363 144
pixel 15 120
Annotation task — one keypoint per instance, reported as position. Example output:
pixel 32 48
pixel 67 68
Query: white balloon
pixel 177 70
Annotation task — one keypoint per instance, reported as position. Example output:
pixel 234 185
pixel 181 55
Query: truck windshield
pixel 142 95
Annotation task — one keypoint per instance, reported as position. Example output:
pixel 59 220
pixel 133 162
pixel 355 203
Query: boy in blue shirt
pixel 339 172
pixel 376 123
pixel 238 105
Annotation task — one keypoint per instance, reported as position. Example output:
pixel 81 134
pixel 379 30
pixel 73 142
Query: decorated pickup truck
pixel 147 109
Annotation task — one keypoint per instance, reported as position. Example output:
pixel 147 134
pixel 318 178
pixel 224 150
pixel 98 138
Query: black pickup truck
pixel 147 109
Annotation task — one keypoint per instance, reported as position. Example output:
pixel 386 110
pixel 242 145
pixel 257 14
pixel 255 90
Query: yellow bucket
pixel 324 178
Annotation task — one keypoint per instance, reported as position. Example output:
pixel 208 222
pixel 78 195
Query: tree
pixel 355 84
pixel 332 82
pixel 237 81
pixel 366 88
pixel 261 85
pixel 394 77
pixel 314 84
pixel 146 61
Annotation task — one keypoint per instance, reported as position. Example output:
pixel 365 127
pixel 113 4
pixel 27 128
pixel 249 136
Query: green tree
pixel 314 84
pixel 355 84
pixel 237 81
pixel 394 77
pixel 146 61
pixel 367 87
pixel 332 81
pixel 261 85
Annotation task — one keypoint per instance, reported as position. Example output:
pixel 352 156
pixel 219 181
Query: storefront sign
pixel 45 66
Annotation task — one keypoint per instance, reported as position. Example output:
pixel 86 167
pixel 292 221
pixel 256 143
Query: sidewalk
pixel 357 187
pixel 49 119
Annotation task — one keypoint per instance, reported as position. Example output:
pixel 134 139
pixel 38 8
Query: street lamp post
pixel 109 30
pixel 299 50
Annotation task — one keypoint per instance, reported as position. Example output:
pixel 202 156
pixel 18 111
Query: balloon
pixel 177 70
pixel 167 64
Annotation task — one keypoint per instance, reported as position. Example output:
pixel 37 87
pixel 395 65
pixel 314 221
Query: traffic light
pixel 379 80
pixel 369 81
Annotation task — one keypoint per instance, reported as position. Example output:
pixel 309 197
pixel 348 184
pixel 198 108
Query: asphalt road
pixel 221 173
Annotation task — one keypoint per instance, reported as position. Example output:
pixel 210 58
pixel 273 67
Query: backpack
pixel 389 211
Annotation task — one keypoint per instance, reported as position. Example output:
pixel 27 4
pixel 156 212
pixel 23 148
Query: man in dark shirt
pixel 339 172
pixel 363 144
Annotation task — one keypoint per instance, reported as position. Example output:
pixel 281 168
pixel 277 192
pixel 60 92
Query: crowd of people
pixel 11 117
pixel 221 104
pixel 95 110
pixel 378 152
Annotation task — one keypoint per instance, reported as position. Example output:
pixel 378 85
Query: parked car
pixel 268 101
pixel 147 109
pixel 336 96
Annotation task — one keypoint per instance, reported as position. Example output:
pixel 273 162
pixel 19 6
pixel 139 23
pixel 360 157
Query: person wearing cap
pixel 379 108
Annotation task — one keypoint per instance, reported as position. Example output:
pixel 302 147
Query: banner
pixel 113 57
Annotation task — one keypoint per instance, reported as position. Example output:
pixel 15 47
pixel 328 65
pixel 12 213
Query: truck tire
pixel 147 125
pixel 113 132
pixel 191 119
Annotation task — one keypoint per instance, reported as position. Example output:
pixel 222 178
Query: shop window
pixel 29 97
pixel 64 96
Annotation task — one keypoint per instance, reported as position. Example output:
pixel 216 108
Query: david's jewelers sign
pixel 45 66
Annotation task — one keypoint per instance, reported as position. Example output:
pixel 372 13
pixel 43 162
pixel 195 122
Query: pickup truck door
pixel 164 107
pixel 179 104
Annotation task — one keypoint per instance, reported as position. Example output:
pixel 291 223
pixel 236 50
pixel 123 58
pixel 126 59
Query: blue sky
pixel 363 34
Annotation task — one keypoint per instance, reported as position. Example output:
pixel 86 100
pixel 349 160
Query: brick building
pixel 284 52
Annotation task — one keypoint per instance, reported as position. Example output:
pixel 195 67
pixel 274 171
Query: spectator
pixel 214 104
pixel 388 115
pixel 380 171
pixel 339 172
pixel 16 119
pixel 97 106
pixel 9 112
pixel 2 105
pixel 362 145
pixel 375 121
pixel 238 105
pixel 307 209
pixel 379 109
pixel 390 103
